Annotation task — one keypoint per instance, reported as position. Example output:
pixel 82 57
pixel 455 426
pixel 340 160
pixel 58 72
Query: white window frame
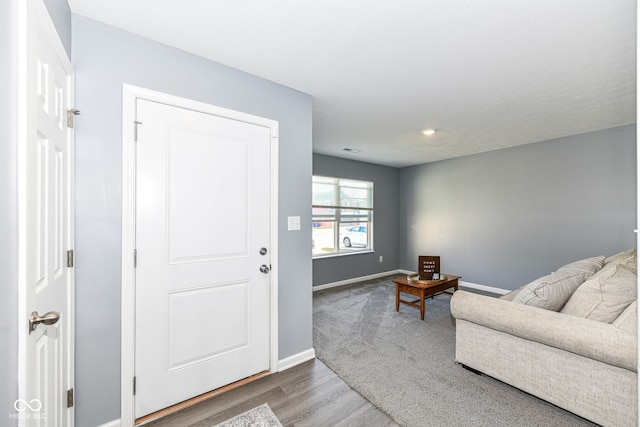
pixel 338 215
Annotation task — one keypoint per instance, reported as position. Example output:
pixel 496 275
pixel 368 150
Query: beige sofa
pixel 569 338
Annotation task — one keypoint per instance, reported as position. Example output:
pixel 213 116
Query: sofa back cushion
pixel 627 258
pixel 605 296
pixel 550 292
pixel 621 257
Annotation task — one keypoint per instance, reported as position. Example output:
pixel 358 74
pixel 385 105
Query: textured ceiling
pixel 486 74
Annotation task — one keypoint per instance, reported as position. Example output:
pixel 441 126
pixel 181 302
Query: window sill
pixel 341 254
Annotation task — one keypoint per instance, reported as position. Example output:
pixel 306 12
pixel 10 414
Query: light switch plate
pixel 293 223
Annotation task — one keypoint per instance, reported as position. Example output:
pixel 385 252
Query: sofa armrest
pixel 586 337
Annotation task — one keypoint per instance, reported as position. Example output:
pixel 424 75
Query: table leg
pixel 397 297
pixel 422 304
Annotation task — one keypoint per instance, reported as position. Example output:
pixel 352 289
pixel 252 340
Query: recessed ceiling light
pixel 351 150
pixel 429 132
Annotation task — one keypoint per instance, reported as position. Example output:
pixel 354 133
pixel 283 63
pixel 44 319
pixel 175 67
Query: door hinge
pixel 135 258
pixel 70 258
pixel 70 113
pixel 135 130
pixel 70 398
pixel 134 386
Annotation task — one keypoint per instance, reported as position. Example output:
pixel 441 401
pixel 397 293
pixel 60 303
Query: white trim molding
pixel 356 280
pixel 114 423
pixel 485 288
pixel 461 283
pixel 296 359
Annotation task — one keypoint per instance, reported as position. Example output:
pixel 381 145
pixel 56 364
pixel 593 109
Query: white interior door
pixel 46 232
pixel 202 235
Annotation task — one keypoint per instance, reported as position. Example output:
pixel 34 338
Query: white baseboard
pixel 355 280
pixel 471 285
pixel 485 288
pixel 296 359
pixel 114 423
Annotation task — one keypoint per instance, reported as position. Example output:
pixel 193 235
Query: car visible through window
pixel 354 237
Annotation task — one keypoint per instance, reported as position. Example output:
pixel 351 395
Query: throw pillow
pixel 550 292
pixel 588 266
pixel 628 319
pixel 604 298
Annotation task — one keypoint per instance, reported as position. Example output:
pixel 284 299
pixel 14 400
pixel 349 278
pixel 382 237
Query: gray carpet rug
pixel 406 366
pixel 261 416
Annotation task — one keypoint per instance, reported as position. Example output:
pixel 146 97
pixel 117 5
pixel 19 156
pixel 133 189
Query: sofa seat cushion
pixel 604 298
pixel 550 292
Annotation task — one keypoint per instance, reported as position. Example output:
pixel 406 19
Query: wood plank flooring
pixel 309 394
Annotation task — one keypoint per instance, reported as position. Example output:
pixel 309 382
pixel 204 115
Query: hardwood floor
pixel 309 394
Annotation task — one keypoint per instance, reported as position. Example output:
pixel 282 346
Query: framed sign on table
pixel 429 267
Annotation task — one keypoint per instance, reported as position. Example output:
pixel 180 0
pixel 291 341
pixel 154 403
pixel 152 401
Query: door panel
pixel 202 215
pixel 207 308
pixel 194 164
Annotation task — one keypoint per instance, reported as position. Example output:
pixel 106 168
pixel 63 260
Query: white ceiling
pixel 486 74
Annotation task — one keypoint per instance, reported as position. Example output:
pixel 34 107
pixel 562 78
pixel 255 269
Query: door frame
pixel 30 12
pixel 130 95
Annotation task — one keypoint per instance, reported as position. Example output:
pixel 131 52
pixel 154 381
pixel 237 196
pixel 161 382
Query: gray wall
pixel 9 211
pixel 385 221
pixel 104 58
pixel 61 17
pixel 505 217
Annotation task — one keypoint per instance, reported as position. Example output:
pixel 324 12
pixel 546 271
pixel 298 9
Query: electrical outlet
pixel 381 258
pixel 293 223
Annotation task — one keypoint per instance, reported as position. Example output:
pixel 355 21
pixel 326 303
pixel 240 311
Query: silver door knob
pixel 264 269
pixel 49 318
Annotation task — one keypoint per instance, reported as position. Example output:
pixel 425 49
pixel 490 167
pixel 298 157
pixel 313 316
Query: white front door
pixel 202 239
pixel 46 233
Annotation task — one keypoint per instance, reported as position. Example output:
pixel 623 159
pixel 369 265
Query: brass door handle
pixel 49 318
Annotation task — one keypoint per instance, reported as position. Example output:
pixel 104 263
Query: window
pixel 342 216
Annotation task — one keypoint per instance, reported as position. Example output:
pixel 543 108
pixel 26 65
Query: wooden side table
pixel 423 289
